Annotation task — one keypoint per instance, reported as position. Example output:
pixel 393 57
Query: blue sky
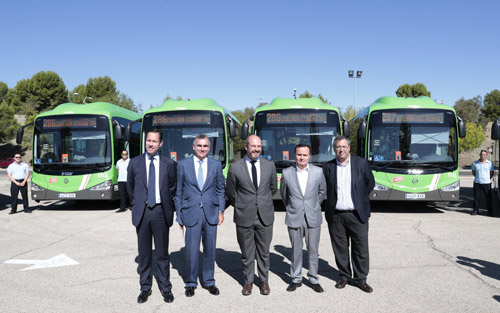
pixel 241 53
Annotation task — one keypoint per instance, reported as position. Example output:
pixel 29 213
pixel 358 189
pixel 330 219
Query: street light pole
pixel 358 75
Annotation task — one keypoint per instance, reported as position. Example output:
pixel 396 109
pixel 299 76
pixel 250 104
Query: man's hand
pixel 221 218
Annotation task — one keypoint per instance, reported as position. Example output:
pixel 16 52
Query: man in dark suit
pixel 151 184
pixel 349 181
pixel 200 203
pixel 251 183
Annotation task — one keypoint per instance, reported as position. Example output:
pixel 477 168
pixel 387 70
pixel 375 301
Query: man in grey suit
pixel 303 189
pixel 251 183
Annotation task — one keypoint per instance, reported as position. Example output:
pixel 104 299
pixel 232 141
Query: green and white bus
pixel 182 120
pixel 285 123
pixel 412 146
pixel 75 150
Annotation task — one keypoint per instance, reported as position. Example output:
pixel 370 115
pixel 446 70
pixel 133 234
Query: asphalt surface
pixel 424 258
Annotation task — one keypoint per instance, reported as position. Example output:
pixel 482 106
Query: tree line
pixel 45 90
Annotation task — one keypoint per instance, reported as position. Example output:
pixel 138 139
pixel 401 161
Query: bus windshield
pixel 408 137
pixel 282 130
pixel 74 142
pixel 179 129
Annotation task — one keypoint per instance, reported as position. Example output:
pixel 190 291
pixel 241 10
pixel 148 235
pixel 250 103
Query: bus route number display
pixel 77 122
pixel 177 119
pixel 279 118
pixel 396 117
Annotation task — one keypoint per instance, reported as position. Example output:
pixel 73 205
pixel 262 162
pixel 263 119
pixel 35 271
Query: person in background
pixel 121 167
pixel 18 173
pixel 483 170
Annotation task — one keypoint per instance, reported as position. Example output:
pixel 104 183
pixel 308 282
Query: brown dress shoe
pixel 264 288
pixel 247 289
pixel 364 286
pixel 341 284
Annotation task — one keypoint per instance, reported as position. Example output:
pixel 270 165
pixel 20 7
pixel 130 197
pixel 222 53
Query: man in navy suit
pixel 349 181
pixel 200 203
pixel 151 183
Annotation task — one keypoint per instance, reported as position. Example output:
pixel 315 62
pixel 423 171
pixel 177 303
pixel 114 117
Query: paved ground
pixel 423 258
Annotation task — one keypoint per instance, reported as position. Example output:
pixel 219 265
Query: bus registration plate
pixel 67 195
pixel 415 196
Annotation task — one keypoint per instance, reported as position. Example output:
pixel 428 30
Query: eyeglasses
pixel 340 147
pixel 17 157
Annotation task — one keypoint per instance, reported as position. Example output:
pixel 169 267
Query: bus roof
pixel 300 103
pixel 97 108
pixel 204 104
pixel 411 103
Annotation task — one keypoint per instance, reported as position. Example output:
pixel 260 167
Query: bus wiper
pixel 437 165
pixel 386 166
pixel 47 167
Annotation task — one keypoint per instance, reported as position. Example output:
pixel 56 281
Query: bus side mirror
pixel 126 132
pixel 117 130
pixel 495 130
pixel 345 126
pixel 362 130
pixel 20 135
pixel 244 130
pixel 461 128
pixel 232 129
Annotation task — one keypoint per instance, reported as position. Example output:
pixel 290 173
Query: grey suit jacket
pixel 247 201
pixel 300 206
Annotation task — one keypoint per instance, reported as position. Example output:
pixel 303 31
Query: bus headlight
pixel 104 186
pixel 380 187
pixel 453 187
pixel 35 187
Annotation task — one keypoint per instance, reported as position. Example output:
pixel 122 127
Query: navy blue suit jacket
pixel 189 196
pixel 137 187
pixel 362 183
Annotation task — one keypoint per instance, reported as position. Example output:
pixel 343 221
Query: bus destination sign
pixel 404 117
pixel 70 122
pixel 181 119
pixel 291 117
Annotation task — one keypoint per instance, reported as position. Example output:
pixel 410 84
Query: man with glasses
pixel 199 204
pixel 349 181
pixel 18 173
pixel 121 167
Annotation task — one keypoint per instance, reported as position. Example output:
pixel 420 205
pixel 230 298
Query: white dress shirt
pixel 302 176
pixel 344 198
pixel 203 166
pixel 257 165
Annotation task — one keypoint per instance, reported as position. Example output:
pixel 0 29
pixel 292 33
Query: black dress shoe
pixel 317 288
pixel 27 211
pixel 12 212
pixel 120 211
pixel 293 286
pixel 341 284
pixel 189 291
pixel 364 286
pixel 143 296
pixel 212 289
pixel 167 296
pixel 473 213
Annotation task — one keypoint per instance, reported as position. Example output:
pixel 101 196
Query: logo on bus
pixel 52 180
pixel 66 173
pixel 66 180
pixel 414 181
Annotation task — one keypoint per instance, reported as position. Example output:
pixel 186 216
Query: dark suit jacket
pixel 362 183
pixel 189 196
pixel 137 187
pixel 242 195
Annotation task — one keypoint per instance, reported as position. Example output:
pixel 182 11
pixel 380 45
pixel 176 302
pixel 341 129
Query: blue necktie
pixel 200 175
pixel 151 184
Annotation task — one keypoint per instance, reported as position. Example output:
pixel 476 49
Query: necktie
pixel 254 174
pixel 200 175
pixel 151 184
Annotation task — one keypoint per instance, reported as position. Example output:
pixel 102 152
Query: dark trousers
pixel 122 186
pixel 346 230
pixel 153 226
pixel 14 192
pixel 207 234
pixel 479 191
pixel 256 238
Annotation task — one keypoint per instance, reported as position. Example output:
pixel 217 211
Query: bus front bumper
pixel 397 195
pixel 77 195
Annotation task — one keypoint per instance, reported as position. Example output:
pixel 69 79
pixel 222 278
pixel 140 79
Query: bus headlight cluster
pixel 380 187
pixel 104 186
pixel 35 187
pixel 453 187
